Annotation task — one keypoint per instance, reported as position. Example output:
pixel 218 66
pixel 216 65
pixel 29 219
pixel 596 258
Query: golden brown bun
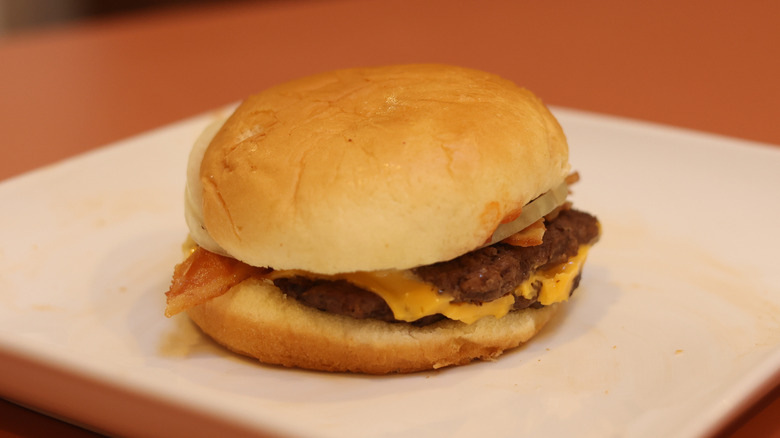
pixel 377 168
pixel 255 319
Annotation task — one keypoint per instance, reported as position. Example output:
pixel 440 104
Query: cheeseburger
pixel 381 220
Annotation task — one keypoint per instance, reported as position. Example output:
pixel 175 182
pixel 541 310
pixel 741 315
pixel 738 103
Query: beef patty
pixel 475 277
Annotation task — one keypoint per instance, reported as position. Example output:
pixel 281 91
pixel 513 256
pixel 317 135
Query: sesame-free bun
pixel 255 319
pixel 376 168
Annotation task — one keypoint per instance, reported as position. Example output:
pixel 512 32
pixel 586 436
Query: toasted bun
pixel 376 168
pixel 255 319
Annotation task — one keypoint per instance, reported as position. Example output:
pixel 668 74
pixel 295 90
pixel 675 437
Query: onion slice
pixel 532 212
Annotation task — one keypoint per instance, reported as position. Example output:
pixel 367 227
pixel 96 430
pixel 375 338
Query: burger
pixel 381 220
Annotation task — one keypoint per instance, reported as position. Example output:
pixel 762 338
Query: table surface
pixel 705 65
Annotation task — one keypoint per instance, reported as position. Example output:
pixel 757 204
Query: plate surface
pixel 674 328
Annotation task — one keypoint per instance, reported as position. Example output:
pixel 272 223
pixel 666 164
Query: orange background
pixel 706 65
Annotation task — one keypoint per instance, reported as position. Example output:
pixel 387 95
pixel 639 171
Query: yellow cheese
pixel 556 281
pixel 411 299
pixel 471 313
pixel 188 247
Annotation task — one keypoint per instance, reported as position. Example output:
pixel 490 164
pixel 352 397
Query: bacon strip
pixel 529 236
pixel 572 178
pixel 203 276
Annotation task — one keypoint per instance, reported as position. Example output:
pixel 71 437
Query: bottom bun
pixel 256 319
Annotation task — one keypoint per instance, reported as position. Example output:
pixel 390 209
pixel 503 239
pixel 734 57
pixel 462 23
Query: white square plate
pixel 674 328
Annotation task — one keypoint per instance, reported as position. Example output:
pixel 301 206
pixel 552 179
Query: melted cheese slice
pixel 411 299
pixel 556 281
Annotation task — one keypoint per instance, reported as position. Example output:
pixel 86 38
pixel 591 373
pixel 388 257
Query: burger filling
pixel 514 274
pixel 498 278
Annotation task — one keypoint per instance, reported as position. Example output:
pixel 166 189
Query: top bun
pixel 377 168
